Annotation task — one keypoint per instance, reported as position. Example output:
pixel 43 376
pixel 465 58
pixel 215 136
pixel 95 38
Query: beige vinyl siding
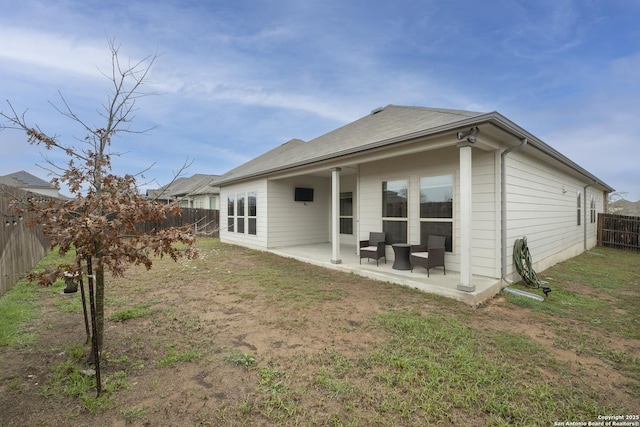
pixel 296 223
pixel 202 202
pixel 542 205
pixel 592 228
pixel 485 258
pixel 433 163
pixel 260 239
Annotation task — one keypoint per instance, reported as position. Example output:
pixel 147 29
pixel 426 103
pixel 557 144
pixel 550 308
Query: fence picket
pixel 619 231
pixel 21 247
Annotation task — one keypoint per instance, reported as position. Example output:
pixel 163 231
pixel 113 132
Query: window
pixel 230 212
pixel 436 208
pixel 394 210
pixel 579 207
pixel 436 197
pixel 346 213
pixel 213 202
pixel 593 209
pixel 252 213
pixel 240 213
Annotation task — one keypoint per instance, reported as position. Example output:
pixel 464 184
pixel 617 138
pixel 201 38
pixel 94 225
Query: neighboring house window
pixel 240 213
pixel 198 203
pixel 230 212
pixel 394 210
pixel 436 208
pixel 346 213
pixel 213 202
pixel 579 207
pixel 593 209
pixel 252 213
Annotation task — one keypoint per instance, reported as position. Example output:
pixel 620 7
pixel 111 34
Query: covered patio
pixel 437 283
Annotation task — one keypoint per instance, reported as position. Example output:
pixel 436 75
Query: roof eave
pixel 517 131
pixel 377 144
pixel 493 117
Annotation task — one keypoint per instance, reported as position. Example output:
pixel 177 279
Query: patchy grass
pixel 17 308
pixel 71 379
pixel 242 337
pixel 240 358
pixel 174 357
pixel 139 310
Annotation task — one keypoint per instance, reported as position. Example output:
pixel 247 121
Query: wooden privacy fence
pixel 619 231
pixel 21 247
pixel 204 221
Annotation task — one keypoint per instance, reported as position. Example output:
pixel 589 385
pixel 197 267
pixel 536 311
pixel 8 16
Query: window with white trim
pixel 436 208
pixel 394 210
pixel 240 212
pixel 252 213
pixel 346 213
pixel 230 212
pixel 579 208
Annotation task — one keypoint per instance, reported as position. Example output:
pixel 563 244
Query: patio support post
pixel 466 212
pixel 335 216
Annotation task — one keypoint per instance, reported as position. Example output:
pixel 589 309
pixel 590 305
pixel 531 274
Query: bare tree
pixel 99 221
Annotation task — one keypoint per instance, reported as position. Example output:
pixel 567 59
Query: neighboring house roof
pixel 195 185
pixel 25 180
pixel 383 127
pixel 625 207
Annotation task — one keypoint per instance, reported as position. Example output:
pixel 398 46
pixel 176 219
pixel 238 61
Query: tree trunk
pixel 100 305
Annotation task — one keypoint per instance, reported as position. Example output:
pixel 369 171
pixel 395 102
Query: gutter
pixel 503 208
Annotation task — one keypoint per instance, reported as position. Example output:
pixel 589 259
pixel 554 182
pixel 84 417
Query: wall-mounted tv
pixel 303 194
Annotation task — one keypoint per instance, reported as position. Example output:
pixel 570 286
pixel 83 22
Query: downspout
pixel 503 208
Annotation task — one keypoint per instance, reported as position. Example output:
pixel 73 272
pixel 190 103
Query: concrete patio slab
pixel 438 283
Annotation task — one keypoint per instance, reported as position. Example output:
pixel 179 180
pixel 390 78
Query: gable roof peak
pixel 294 141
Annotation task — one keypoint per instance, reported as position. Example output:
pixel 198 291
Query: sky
pixel 235 79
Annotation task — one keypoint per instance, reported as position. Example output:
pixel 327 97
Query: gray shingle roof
pixel 383 127
pixel 24 179
pixel 382 124
pixel 191 186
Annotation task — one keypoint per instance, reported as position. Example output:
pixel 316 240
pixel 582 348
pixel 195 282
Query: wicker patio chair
pixel 429 256
pixel 374 247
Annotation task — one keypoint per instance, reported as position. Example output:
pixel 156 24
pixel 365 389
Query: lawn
pixel 243 337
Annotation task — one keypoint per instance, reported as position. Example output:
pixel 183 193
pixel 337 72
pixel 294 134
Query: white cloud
pixel 238 78
pixel 39 52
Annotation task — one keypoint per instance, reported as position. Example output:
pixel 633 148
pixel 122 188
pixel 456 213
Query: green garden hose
pixel 522 261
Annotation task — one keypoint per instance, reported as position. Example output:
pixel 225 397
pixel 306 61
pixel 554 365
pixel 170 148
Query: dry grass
pixel 240 337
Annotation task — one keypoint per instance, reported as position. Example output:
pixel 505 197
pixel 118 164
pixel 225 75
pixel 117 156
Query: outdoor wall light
pixel 471 135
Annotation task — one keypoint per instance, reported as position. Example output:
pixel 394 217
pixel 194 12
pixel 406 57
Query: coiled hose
pixel 522 261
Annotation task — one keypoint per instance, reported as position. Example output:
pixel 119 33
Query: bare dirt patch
pixel 224 303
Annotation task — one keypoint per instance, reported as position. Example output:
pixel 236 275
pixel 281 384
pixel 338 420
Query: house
pixel 27 182
pixel 478 179
pixel 625 207
pixel 192 192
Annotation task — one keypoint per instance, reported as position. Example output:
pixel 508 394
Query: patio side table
pixel 402 253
